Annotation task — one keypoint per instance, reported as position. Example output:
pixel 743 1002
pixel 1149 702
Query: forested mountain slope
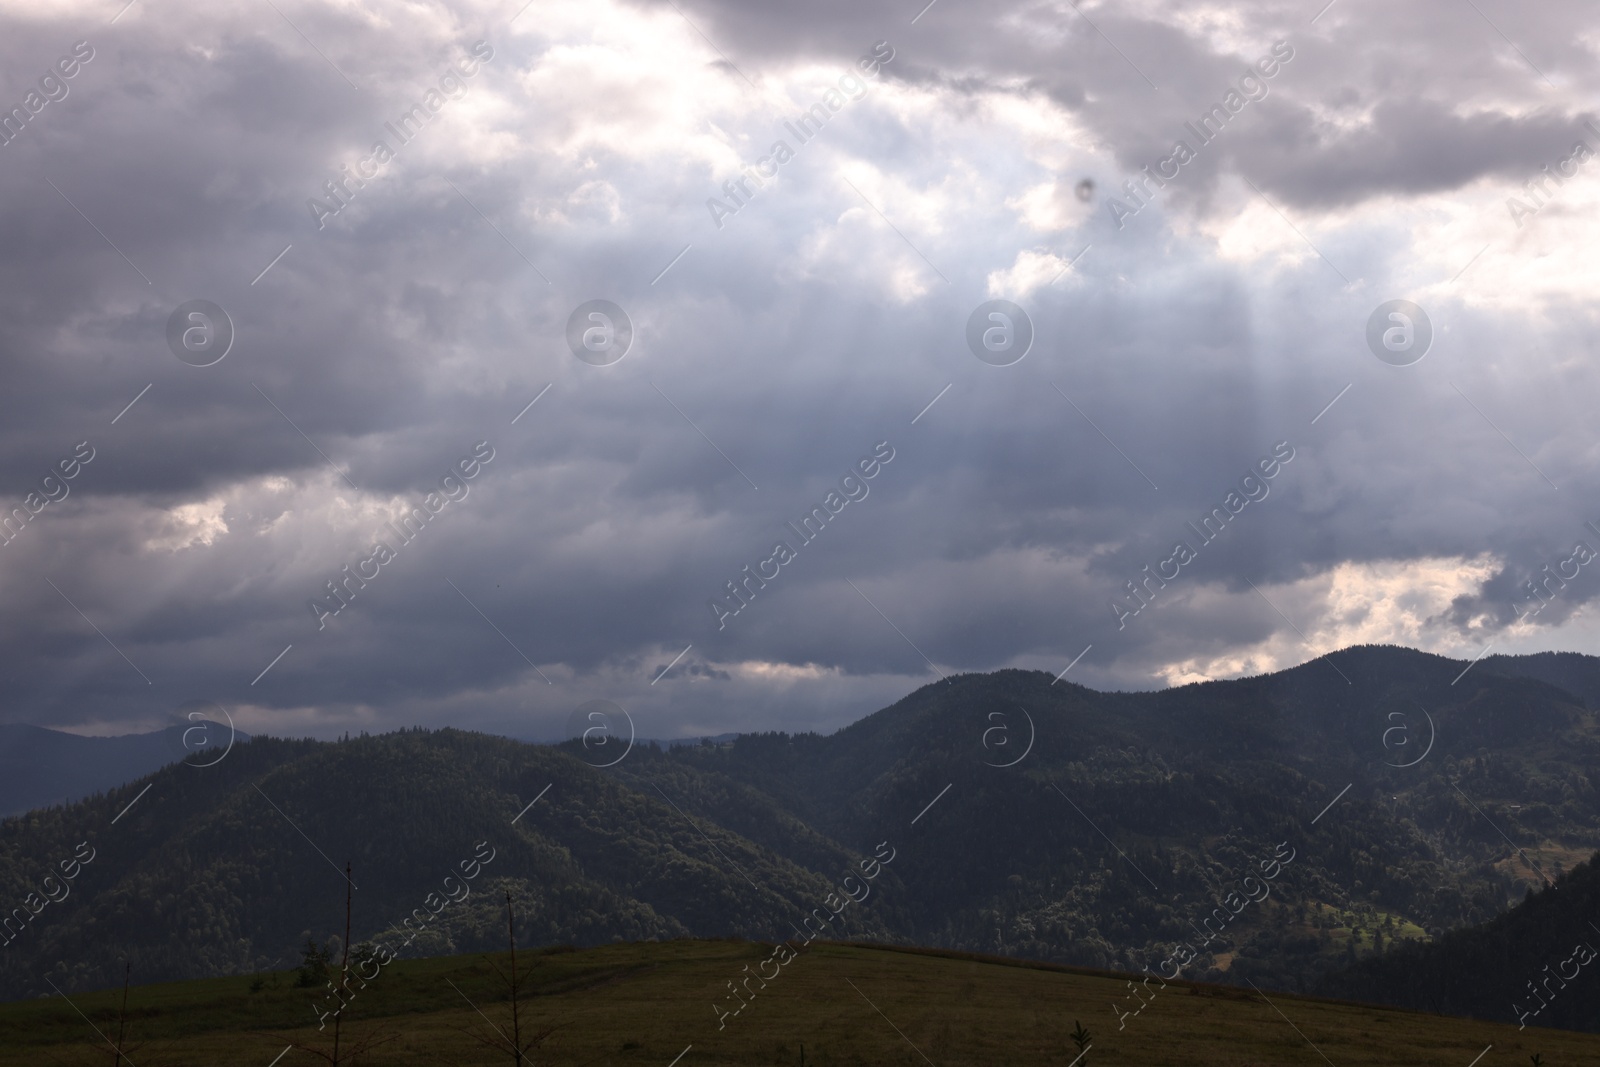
pixel 1023 816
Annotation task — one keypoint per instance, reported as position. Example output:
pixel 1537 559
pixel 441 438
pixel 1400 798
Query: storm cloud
pixel 494 168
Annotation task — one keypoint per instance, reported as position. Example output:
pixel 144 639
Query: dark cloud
pixel 779 350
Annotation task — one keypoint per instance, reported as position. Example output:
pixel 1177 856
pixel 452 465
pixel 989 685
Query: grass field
pixel 846 1004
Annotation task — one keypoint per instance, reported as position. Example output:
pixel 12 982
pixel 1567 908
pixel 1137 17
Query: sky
pixel 609 296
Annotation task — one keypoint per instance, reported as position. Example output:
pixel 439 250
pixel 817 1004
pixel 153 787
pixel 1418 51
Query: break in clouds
pixel 1203 220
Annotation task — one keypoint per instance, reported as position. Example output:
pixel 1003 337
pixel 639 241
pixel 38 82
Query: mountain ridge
pixel 40 766
pixel 1093 829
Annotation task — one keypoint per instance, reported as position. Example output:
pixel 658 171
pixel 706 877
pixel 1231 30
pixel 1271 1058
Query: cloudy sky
pixel 379 313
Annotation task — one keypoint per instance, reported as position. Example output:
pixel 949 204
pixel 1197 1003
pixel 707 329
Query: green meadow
pixel 646 1003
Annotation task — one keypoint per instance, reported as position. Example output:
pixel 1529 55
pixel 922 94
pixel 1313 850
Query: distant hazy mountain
pixel 1376 788
pixel 40 767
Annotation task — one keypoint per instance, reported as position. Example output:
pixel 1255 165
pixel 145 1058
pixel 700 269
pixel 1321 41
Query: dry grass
pixel 847 1004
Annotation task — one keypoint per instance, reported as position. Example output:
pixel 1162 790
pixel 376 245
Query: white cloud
pixel 1383 602
pixel 187 525
pixel 1030 271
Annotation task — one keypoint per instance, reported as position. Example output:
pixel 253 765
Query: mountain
pixel 1269 829
pixel 1576 673
pixel 226 869
pixel 1536 965
pixel 40 767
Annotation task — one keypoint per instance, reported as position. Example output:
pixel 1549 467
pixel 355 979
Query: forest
pixel 1129 820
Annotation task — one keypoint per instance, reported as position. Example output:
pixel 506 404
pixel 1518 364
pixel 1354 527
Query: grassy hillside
pixel 847 1004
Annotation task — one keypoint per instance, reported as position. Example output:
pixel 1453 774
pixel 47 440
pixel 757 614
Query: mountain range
pixel 40 767
pixel 1374 796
